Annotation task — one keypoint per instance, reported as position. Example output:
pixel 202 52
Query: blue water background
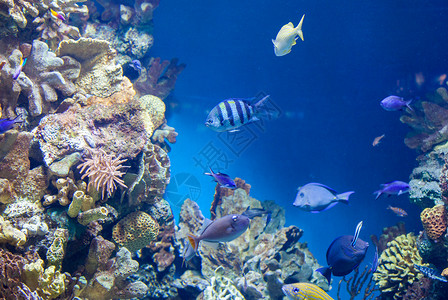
pixel 328 89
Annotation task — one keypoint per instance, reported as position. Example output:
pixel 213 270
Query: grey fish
pixel 231 114
pixel 430 273
pixel 316 197
pixel 257 212
pixel 343 257
pixel 224 229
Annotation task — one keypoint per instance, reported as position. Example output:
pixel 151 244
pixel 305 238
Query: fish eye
pixel 296 290
pixel 235 218
pixel 301 195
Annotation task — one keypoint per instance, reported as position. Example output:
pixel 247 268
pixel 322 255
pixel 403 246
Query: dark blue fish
pixel 136 65
pixel 394 103
pixel 222 179
pixel 431 273
pixel 257 212
pixel 342 257
pixel 7 124
pixel 375 261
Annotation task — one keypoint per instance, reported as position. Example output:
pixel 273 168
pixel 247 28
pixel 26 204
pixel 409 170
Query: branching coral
pixel 355 284
pixel 103 171
pixel 159 80
pixel 396 271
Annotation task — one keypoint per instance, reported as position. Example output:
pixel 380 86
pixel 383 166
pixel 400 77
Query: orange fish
pixel 398 211
pixel 377 140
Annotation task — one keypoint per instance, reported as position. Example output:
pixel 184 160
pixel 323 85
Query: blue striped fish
pixel 304 291
pixel 231 114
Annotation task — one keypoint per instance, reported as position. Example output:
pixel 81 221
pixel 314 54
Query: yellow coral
pixel 434 221
pixel 93 214
pixel 135 231
pixel 11 235
pixel 56 251
pixel 48 283
pixel 396 269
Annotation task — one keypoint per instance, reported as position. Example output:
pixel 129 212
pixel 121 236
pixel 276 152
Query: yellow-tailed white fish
pixel 286 38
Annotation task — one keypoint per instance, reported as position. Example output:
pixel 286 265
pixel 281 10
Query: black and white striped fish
pixel 231 114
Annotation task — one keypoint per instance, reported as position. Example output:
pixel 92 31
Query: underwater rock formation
pixel 257 262
pixel 396 270
pixel 221 287
pixel 160 78
pixel 429 121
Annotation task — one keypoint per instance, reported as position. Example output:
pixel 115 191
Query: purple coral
pixel 159 80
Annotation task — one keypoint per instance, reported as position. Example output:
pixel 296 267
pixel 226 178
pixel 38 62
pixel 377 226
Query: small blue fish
pixel 7 124
pixel 19 68
pixel 222 179
pixel 136 65
pixel 342 257
pixel 375 261
pixel 231 114
pixel 431 273
pixel 393 188
pixel 394 103
pixel 316 197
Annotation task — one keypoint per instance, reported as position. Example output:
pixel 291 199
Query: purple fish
pixel 19 69
pixel 136 65
pixel 7 124
pixel 224 229
pixel 393 188
pixel 222 179
pixel 316 197
pixel 394 103
pixel 343 256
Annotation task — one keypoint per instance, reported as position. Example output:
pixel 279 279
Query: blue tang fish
pixel 224 229
pixel 231 114
pixel 222 179
pixel 7 124
pixel 393 188
pixel 304 291
pixel 344 254
pixel 316 197
pixel 394 103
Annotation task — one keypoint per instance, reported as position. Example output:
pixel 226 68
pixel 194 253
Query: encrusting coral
pixel 221 287
pixel 103 171
pixel 135 231
pixel 396 270
pixel 434 221
pixel 11 235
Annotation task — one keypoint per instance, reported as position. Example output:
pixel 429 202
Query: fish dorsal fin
pixel 289 25
pixel 324 186
pixel 206 223
pixel 222 174
pixel 356 235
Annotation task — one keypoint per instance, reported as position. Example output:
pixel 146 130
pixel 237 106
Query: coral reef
pixel 434 221
pixel 135 231
pixel 396 271
pixel 11 235
pixel 355 284
pixel 221 287
pixel 388 235
pixel 419 289
pixel 258 263
pixel 159 80
pixel 49 283
pixel 429 120
pixel 109 282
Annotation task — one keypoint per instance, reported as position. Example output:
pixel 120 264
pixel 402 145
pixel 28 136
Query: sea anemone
pixel 103 171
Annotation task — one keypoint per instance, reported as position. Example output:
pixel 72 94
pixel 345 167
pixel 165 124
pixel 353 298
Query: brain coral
pixel 396 266
pixel 434 221
pixel 135 231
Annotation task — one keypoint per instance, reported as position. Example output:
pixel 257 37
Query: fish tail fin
pixel 408 105
pixel 326 272
pixel 299 28
pixel 343 198
pixel 389 207
pixel 194 241
pixel 262 110
pixel 378 193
